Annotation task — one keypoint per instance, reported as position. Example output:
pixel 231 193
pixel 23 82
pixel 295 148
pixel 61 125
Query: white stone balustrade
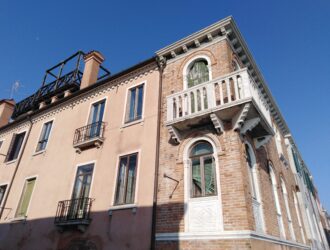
pixel 212 95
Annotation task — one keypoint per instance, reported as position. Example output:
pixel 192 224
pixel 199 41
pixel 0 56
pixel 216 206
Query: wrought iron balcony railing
pixel 89 134
pixel 73 212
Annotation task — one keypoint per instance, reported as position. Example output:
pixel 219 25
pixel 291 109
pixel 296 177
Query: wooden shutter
pixel 25 199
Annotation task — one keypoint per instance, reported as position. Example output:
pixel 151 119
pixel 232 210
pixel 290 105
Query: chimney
pixel 93 61
pixel 6 110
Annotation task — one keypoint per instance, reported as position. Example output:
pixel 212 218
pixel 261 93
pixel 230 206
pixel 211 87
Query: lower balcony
pixel 234 97
pixel 74 213
pixel 89 136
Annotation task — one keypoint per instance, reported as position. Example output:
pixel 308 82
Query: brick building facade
pixel 187 150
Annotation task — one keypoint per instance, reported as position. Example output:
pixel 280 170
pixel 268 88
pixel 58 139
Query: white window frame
pixel 190 63
pixel 277 201
pixel 20 150
pixel 287 209
pixel 128 123
pixel 73 180
pixel 50 133
pixel 113 205
pixel 256 184
pixel 105 99
pixel 187 181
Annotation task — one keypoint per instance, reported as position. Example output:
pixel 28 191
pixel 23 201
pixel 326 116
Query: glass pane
pixel 201 148
pixel 198 73
pixel 196 178
pixel 44 136
pixel 250 172
pixel 83 182
pixel 209 175
pixel 17 146
pixel 121 181
pixel 132 104
pixel 2 192
pixel 140 102
pixel 96 117
pixel 131 179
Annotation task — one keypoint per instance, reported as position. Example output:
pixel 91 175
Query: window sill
pixel 10 162
pixel 127 124
pixel 18 219
pixel 39 152
pixel 123 207
pixel 205 198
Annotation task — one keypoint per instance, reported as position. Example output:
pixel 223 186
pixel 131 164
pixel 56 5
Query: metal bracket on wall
pixel 177 183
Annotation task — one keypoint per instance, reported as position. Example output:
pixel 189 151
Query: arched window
pixel 250 163
pixel 256 200
pixel 295 200
pixel 197 72
pixel 277 203
pixel 203 178
pixel 287 208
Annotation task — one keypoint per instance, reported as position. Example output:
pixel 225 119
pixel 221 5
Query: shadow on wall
pixel 123 229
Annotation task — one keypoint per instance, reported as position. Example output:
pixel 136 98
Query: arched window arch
pixel 287 208
pixel 255 193
pixel 203 176
pixel 197 71
pixel 277 203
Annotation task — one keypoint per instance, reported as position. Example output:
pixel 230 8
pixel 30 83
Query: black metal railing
pixel 73 211
pixel 66 75
pixel 91 131
pixel 70 81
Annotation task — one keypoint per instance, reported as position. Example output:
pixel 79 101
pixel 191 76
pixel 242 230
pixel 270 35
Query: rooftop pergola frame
pixel 64 76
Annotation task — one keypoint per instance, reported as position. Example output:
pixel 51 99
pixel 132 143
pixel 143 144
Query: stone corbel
pixel 173 54
pixel 240 118
pixel 175 135
pixel 184 48
pixel 209 37
pixel 250 124
pixel 239 50
pixel 260 141
pixel 197 43
pixel 161 61
pixel 217 122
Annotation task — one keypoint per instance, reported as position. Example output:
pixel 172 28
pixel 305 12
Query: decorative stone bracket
pixel 217 122
pixel 174 133
pixel 240 119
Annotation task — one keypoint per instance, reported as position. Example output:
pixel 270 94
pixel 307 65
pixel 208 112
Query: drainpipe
pixel 161 65
pixel 17 165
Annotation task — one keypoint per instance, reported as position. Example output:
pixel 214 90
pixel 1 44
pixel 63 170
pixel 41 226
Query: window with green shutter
pixel 25 198
pixel 203 180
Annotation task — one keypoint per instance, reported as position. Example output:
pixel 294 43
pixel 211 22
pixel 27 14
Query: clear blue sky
pixel 290 41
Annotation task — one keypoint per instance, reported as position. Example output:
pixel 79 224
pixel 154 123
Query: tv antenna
pixel 14 88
